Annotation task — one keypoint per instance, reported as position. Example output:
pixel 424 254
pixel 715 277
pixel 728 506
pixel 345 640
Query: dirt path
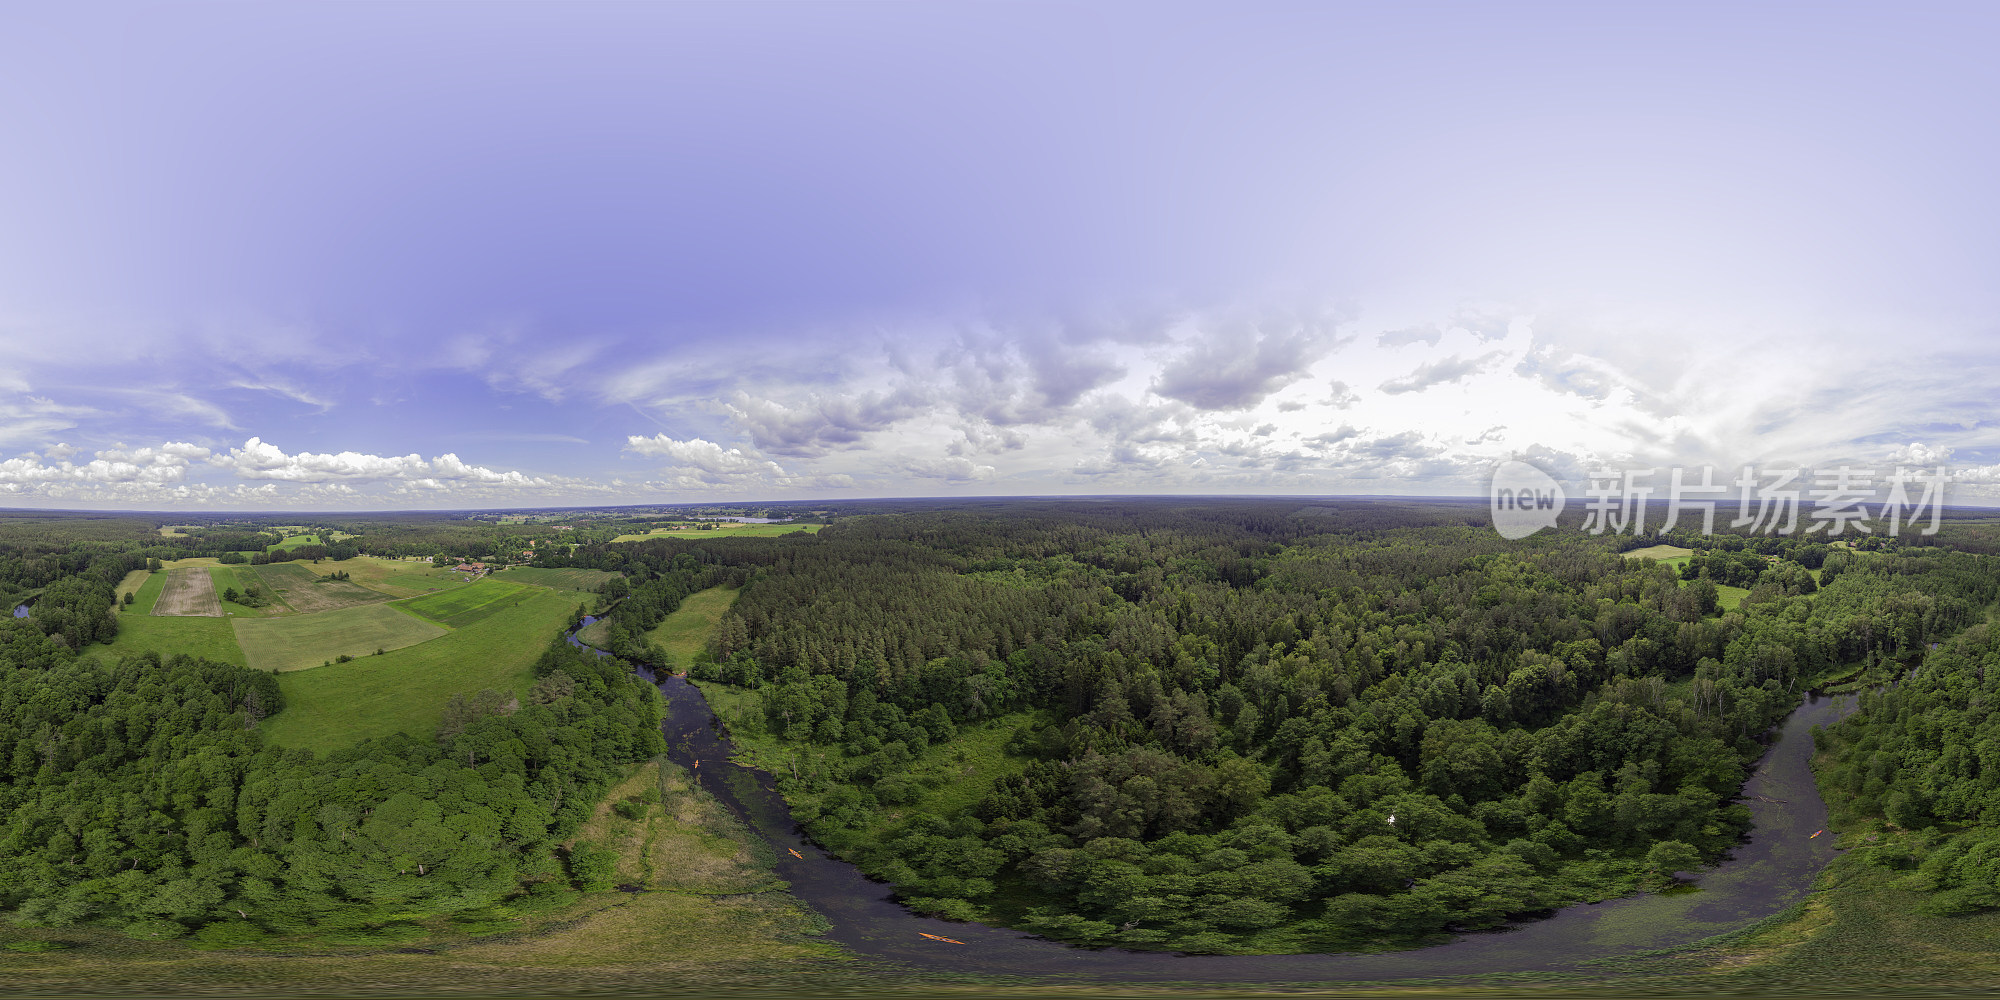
pixel 189 592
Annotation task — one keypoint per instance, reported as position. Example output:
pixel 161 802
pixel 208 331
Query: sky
pixel 390 256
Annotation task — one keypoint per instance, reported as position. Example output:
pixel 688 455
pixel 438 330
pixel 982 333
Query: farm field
pixel 296 642
pixel 139 631
pixel 308 592
pixel 405 690
pixel 131 584
pixel 396 577
pixel 686 631
pixel 294 541
pixel 144 596
pixel 188 592
pixel 467 604
pixel 728 531
pixel 240 578
pixel 575 580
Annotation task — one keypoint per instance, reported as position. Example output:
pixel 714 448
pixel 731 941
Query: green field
pixel 687 630
pixel 293 542
pixel 405 690
pixel 1728 598
pixel 307 592
pixel 140 630
pixel 727 531
pixel 1675 557
pixel 395 577
pixel 456 607
pixel 573 580
pixel 131 584
pixel 240 578
pixel 145 595
pixel 295 642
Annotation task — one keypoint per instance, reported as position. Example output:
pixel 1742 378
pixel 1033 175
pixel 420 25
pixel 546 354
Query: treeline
pixel 656 583
pixel 1219 707
pixel 141 795
pixel 1923 757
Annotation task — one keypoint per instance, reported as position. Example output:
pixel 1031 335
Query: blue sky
pixel 458 255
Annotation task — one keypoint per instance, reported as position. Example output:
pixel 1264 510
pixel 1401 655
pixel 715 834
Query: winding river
pixel 1772 869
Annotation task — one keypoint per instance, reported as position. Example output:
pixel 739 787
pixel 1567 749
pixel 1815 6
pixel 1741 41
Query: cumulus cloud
pixel 955 470
pixel 1236 367
pixel 1436 373
pixel 167 463
pixel 821 423
pixel 1917 453
pixel 258 459
pixel 710 460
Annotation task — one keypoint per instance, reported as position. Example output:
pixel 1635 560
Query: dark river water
pixel 1771 870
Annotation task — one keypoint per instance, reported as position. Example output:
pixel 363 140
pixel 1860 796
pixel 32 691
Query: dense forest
pixel 140 794
pixel 1217 709
pixel 1209 726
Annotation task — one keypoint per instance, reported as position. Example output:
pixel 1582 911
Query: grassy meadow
pixel 140 630
pixel 307 592
pixel 687 631
pixel 1727 598
pixel 726 531
pixel 394 577
pixel 443 607
pixel 296 642
pixel 572 580
pixel 131 584
pixel 404 690
pixel 240 579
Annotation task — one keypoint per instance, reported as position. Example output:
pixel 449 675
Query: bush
pixel 229 934
pixel 154 930
pixel 593 869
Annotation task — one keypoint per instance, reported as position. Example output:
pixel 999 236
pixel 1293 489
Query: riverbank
pixel 1772 870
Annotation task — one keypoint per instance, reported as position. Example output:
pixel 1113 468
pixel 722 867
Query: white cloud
pixel 706 457
pixel 165 464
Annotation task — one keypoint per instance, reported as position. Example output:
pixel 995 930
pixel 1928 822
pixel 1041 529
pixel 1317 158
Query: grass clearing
pixel 1671 555
pixel 574 580
pixel 681 839
pixel 296 642
pixel 307 592
pixel 144 597
pixel 725 531
pixel 597 633
pixel 166 635
pixel 396 577
pixel 131 584
pixel 405 689
pixel 1729 598
pixel 450 607
pixel 240 579
pixel 687 631
pixel 188 593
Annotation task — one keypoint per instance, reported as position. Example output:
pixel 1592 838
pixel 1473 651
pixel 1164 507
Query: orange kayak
pixel 935 937
pixel 795 854
pixel 1816 833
